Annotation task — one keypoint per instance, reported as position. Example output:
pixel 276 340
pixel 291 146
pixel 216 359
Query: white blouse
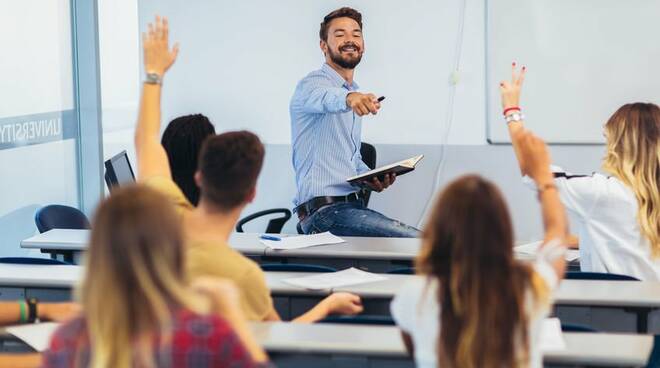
pixel 605 211
pixel 416 311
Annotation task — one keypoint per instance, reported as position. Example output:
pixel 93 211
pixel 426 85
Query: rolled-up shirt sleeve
pixel 318 95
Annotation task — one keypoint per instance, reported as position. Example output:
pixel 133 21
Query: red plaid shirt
pixel 197 341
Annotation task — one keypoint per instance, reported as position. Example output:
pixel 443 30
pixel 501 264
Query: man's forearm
pixel 326 100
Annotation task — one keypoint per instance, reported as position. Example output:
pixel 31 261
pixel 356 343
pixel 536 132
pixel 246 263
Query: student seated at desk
pixel 229 165
pixel 477 306
pixel 137 309
pixel 619 214
pixel 182 140
pixel 29 312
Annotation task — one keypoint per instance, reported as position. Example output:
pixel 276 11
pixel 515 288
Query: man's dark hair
pixel 344 12
pixel 182 140
pixel 230 164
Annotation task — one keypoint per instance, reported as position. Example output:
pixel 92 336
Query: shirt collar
pixel 327 69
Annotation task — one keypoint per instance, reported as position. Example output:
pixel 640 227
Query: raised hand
pixel 158 57
pixel 363 104
pixel 510 90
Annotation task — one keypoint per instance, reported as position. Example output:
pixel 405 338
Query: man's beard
pixel 345 62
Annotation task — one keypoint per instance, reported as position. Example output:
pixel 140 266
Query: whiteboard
pixel 586 58
pixel 241 60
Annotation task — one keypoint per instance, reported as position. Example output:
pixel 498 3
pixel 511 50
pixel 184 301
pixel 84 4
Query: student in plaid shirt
pixel 137 309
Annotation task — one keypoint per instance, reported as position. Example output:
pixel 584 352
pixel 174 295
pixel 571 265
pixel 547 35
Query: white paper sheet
pixel 332 280
pixel 552 339
pixel 302 241
pixel 37 335
pixel 532 248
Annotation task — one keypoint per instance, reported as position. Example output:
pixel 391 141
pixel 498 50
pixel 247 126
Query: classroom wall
pixel 467 149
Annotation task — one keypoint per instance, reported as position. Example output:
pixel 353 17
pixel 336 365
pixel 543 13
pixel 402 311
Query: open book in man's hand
pixel 398 168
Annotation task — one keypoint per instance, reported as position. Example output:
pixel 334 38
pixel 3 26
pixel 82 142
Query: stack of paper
pixel 302 241
pixel 552 338
pixel 333 280
pixel 37 335
pixel 533 248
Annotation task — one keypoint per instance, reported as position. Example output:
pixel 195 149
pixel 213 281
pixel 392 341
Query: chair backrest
pixel 369 156
pixel 654 359
pixel 571 327
pixel 56 216
pixel 364 319
pixel 368 153
pixel 402 271
pixel 274 225
pixel 598 276
pixel 31 261
pixel 294 267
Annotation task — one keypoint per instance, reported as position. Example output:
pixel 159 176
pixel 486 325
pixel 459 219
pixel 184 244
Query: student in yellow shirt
pixel 229 165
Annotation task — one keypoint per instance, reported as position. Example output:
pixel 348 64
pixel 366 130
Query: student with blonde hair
pixel 619 214
pixel 138 310
pixel 476 306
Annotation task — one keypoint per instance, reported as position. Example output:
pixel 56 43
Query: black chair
pixel 295 267
pixel 274 225
pixel 31 261
pixel 654 359
pixel 572 327
pixel 368 153
pixel 598 276
pixel 402 271
pixel 366 319
pixel 56 216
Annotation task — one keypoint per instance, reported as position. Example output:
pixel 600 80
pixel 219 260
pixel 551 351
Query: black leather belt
pixel 315 203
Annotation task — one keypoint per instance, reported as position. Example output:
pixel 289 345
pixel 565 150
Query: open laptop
pixel 118 171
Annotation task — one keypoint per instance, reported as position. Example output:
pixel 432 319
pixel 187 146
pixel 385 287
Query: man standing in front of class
pixel 326 114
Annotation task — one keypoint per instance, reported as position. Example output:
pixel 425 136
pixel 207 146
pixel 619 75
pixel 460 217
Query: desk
pixel 332 345
pixel 327 345
pixel 55 283
pixel 371 254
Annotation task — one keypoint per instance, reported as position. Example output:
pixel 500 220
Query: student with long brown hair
pixel 476 306
pixel 619 213
pixel 138 311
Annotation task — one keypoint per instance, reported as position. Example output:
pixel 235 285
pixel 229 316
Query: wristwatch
pixel 516 116
pixel 32 309
pixel 153 78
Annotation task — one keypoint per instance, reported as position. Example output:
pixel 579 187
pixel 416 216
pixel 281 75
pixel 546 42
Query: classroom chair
pixel 274 225
pixel 56 216
pixel 31 261
pixel 598 276
pixel 294 267
pixel 574 327
pixel 402 271
pixel 360 320
pixel 654 359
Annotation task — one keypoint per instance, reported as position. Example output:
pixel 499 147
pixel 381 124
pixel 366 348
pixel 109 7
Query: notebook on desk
pixel 398 168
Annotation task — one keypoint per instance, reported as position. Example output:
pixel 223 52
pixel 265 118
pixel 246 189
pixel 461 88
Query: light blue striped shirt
pixel 325 135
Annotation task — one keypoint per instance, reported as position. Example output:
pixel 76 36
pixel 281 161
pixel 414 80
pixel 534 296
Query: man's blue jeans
pixel 354 219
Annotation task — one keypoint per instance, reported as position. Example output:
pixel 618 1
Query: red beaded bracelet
pixel 511 109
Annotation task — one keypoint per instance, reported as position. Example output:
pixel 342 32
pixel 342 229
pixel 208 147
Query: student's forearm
pixel 10 313
pixel 514 128
pixel 319 312
pixel 29 360
pixel 555 224
pixel 148 126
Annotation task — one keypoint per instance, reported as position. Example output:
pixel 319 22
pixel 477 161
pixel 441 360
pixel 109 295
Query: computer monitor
pixel 118 171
